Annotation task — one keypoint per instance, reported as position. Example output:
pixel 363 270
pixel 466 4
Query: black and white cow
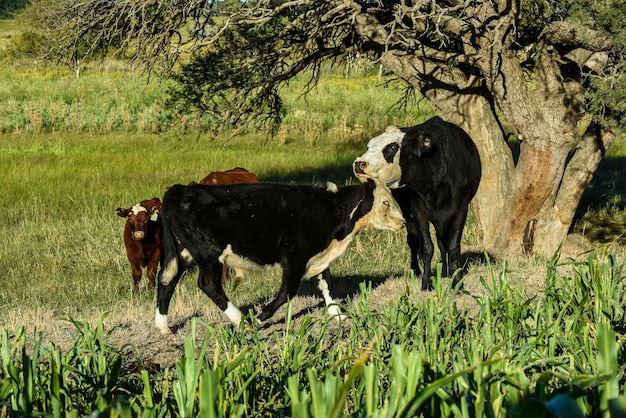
pixel 299 228
pixel 434 170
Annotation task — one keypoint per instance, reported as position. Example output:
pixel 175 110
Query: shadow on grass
pixel 340 172
pixel 474 257
pixel 337 174
pixel 601 213
pixel 608 184
pixel 346 287
pixel 342 288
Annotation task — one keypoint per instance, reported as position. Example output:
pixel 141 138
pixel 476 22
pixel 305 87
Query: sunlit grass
pixel 109 97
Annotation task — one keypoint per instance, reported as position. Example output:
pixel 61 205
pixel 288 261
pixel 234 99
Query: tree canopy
pixel 549 73
pixel 253 47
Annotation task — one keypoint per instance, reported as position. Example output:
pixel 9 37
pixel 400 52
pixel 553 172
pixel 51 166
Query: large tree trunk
pixel 552 172
pixel 526 206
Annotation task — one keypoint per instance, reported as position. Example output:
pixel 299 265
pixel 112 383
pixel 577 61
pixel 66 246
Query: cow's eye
pixel 390 151
pixel 387 205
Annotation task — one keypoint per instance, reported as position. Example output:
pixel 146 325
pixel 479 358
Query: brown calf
pixel 142 238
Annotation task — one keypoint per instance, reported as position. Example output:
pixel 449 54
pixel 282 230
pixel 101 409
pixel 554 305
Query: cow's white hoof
pixel 335 312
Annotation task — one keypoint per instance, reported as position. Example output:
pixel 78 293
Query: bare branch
pixel 575 35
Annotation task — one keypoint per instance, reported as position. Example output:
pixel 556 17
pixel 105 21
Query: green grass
pixel 523 332
pixel 9 28
pixel 110 97
pixel 525 338
pixel 60 193
pixel 35 101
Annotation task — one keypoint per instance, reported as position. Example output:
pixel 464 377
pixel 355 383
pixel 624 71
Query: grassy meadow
pixel 525 336
pixel 64 252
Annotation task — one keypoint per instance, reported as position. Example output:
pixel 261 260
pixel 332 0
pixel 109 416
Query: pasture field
pixel 67 281
pixel 526 336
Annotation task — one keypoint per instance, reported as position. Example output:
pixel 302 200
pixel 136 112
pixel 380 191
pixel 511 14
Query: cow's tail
pixel 172 268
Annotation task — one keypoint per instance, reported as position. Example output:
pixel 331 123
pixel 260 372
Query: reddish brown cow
pixel 142 238
pixel 234 175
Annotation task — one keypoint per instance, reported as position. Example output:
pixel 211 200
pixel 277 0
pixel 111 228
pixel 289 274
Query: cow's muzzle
pixel 139 235
pixel 359 168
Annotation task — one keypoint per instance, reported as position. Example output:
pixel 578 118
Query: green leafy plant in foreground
pixel 556 354
pixel 44 381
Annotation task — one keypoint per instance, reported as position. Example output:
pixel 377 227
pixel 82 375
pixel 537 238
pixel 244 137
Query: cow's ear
pixel 422 145
pixel 122 212
pixel 154 205
pixel 154 209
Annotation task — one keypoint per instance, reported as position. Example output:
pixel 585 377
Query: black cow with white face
pixel 434 171
pixel 299 228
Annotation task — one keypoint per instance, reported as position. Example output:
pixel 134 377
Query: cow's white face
pixel 138 219
pixel 381 161
pixel 386 214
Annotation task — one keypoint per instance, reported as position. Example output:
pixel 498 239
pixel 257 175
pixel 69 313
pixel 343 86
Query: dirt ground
pixel 158 351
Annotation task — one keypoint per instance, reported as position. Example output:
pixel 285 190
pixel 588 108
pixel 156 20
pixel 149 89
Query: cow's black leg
pixel 426 250
pixel 210 282
pixel 422 248
pixel 407 200
pixel 292 274
pixel 412 239
pixel 443 231
pixel 450 245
